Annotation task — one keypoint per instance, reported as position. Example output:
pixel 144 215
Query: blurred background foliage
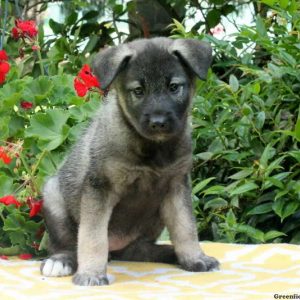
pixel 246 124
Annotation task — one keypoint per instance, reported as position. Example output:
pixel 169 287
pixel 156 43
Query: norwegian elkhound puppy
pixel 128 176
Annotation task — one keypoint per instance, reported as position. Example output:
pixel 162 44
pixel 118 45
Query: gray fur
pixel 127 176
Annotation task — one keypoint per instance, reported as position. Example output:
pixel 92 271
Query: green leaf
pixel 233 83
pixel 215 203
pixel 284 208
pixel 269 2
pixel 256 88
pixel 205 155
pixel 286 57
pixel 250 232
pixel 38 90
pixel 261 209
pixel 247 110
pixel 4 129
pixel 216 189
pixel 71 18
pixel 283 3
pixel 297 128
pixel 56 27
pixel 90 15
pixel 179 27
pixel 246 187
pixel 268 153
pixel 50 128
pixel 213 18
pixel 201 185
pixel 241 174
pixel 276 182
pixel 260 120
pixel 6 185
pixel 260 26
pixel 13 250
pixel 230 218
pixel 17 238
pixel 295 154
pixel 272 234
pixel 278 177
pixel 93 40
pixel 14 222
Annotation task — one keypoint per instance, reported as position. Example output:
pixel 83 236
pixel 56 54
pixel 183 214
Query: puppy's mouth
pixel 158 128
pixel 159 137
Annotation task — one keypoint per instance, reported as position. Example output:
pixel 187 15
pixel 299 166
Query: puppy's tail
pixel 148 251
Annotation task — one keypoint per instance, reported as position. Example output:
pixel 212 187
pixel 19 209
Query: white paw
pixel 55 268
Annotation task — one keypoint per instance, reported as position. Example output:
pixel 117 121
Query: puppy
pixel 128 175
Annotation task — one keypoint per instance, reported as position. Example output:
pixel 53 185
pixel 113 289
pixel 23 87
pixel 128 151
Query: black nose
pixel 158 123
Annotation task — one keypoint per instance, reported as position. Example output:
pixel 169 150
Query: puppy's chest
pixel 141 190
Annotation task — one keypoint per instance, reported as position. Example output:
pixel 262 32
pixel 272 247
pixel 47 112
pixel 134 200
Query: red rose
pixel 35 206
pixel 26 104
pixel 4 257
pixel 25 256
pixel 4 66
pixel 24 29
pixel 85 81
pixel 10 200
pixel 4 156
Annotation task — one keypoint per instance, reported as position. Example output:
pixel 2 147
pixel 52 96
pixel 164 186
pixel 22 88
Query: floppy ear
pixel 109 62
pixel 197 55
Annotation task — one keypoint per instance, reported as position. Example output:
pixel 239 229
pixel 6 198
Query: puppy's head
pixel 154 81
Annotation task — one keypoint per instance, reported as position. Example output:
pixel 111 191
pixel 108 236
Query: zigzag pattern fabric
pixel 247 272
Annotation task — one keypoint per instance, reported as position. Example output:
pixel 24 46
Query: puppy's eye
pixel 138 91
pixel 174 87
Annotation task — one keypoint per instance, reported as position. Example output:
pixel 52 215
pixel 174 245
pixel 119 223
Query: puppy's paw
pixel 87 279
pixel 204 264
pixel 58 265
pixel 212 263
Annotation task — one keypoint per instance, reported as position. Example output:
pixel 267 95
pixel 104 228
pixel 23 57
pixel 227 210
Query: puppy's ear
pixel 197 55
pixel 109 62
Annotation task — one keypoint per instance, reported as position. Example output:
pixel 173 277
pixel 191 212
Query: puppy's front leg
pixel 92 252
pixel 178 217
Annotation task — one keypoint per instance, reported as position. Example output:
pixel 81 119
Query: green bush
pixel 247 132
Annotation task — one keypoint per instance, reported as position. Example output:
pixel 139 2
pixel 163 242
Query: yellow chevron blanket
pixel 269 271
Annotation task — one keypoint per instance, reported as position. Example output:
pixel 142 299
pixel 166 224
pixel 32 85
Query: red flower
pixel 85 81
pixel 3 55
pixel 4 66
pixel 24 29
pixel 10 200
pixel 4 156
pixel 34 205
pixel 25 256
pixel 26 104
pixel 87 77
pixel 4 257
pixel 80 87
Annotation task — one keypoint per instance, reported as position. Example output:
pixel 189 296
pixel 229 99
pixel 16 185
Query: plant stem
pixel 40 62
pixel 27 168
pixel 38 162
pixel 2 217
